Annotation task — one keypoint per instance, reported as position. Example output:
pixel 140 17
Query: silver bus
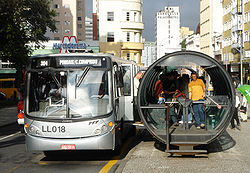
pixel 77 101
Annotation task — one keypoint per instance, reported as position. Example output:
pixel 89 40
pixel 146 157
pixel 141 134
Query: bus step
pixel 186 152
pixel 140 124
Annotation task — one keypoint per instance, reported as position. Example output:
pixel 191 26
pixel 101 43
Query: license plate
pixel 68 147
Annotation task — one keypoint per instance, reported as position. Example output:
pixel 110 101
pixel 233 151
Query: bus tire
pixel 119 138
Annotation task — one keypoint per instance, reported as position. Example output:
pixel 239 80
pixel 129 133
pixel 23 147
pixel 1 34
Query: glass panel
pixel 92 97
pixel 88 98
pixel 174 69
pixel 127 80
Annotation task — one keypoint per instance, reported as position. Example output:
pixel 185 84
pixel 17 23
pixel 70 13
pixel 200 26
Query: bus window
pixel 51 93
pixel 127 80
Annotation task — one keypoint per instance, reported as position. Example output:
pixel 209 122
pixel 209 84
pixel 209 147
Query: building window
pixel 110 16
pixel 79 25
pixel 79 33
pixel 57 22
pixel 67 14
pixel 67 31
pixel 127 16
pixel 56 6
pixel 79 3
pixel 67 22
pixel 128 56
pixel 110 37
pixel 56 38
pixel 67 6
pixel 57 31
pixel 128 36
pixel 79 18
pixel 57 14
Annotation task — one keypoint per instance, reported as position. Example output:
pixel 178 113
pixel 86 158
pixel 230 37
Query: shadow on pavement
pixel 14 141
pixel 100 155
pixel 9 129
pixel 222 143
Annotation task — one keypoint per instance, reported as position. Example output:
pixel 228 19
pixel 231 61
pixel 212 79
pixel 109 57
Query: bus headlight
pixel 101 130
pixel 33 130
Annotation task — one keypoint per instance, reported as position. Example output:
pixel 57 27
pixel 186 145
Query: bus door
pixel 128 79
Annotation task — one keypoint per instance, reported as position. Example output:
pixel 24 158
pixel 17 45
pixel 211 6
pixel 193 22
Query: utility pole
pixel 241 54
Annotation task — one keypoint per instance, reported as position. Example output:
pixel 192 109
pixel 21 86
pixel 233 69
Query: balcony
pixel 132 45
pixel 234 10
pixel 132 25
pixel 235 46
pixel 234 28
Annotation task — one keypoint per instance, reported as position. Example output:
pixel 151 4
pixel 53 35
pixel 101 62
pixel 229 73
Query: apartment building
pixel 167 31
pixel 120 28
pixel 185 32
pixel 236 37
pixel 88 29
pixel 149 53
pixel 70 19
pixel 211 13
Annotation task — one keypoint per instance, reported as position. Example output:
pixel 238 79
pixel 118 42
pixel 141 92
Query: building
pixel 193 42
pixel 120 28
pixel 88 29
pixel 211 13
pixel 149 53
pixel 167 31
pixel 236 37
pixel 95 19
pixel 184 33
pixel 70 19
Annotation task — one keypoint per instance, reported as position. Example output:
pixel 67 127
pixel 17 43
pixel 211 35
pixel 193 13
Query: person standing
pixel 137 79
pixel 235 115
pixel 197 92
pixel 243 109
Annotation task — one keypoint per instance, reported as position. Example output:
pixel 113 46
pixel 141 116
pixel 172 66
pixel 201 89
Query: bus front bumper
pixel 102 142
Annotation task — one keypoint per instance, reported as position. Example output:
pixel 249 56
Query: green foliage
pixel 23 22
pixel 183 44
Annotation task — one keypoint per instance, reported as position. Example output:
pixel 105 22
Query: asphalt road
pixel 230 153
pixel 15 159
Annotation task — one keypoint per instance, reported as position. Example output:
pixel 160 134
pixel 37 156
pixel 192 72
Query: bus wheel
pixel 119 138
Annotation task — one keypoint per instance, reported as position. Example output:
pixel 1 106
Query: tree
pixel 23 22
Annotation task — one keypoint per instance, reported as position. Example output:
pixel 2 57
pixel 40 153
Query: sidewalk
pixel 8 115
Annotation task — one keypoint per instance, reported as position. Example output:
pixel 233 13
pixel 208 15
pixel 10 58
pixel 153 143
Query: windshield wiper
pixel 85 72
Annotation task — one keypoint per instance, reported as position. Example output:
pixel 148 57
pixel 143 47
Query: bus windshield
pixel 72 94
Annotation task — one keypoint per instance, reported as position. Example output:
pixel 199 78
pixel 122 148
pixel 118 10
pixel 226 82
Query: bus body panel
pixel 102 142
pixel 69 130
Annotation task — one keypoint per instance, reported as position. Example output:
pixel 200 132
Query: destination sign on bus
pixel 78 61
pixel 69 62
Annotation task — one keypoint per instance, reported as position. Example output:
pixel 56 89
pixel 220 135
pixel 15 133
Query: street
pixel 230 153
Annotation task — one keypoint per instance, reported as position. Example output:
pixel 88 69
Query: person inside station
pixel 170 87
pixel 197 92
pixel 184 81
pixel 159 92
pixel 137 80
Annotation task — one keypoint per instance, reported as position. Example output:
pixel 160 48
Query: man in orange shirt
pixel 197 92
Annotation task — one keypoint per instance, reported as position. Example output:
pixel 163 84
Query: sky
pixel 189 10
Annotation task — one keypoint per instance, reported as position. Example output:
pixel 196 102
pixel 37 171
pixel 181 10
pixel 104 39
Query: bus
pixel 77 101
pixel 7 86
